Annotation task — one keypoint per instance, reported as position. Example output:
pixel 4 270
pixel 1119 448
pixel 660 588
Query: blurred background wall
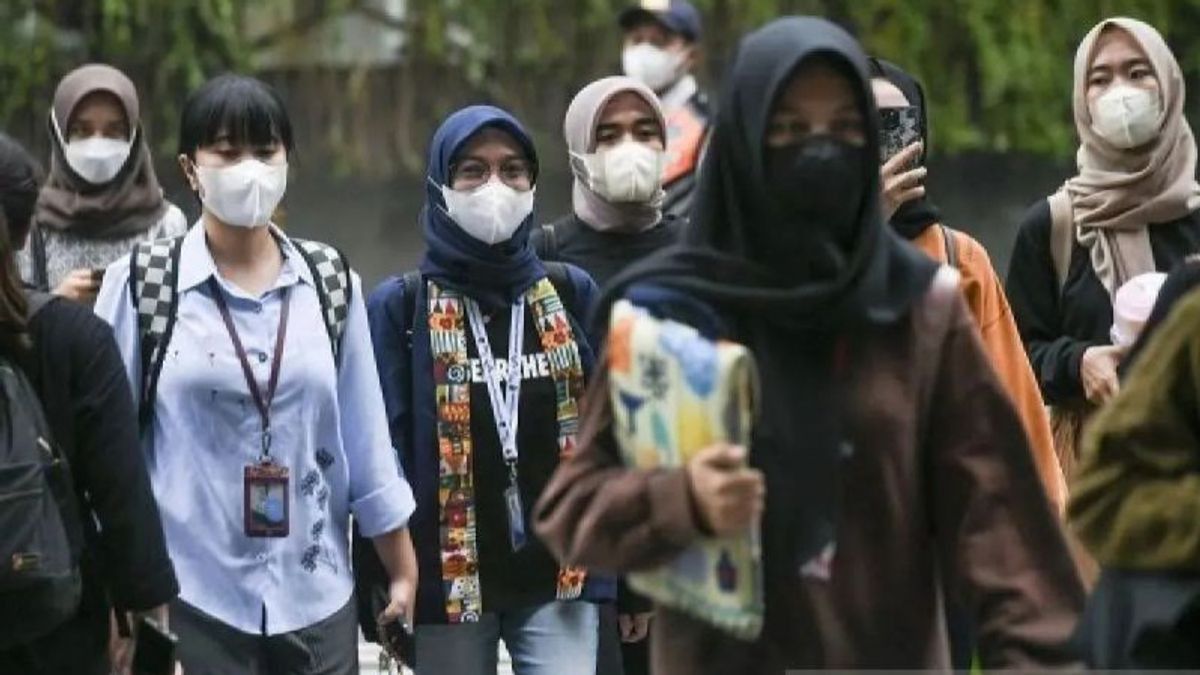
pixel 367 81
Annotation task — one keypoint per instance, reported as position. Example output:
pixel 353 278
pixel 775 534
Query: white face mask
pixel 491 212
pixel 1127 116
pixel 629 172
pixel 654 67
pixel 95 159
pixel 244 194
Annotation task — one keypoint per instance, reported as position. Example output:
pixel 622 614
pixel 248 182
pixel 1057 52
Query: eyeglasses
pixel 472 173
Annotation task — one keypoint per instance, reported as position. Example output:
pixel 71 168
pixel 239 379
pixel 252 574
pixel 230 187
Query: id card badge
pixel 265 505
pixel 516 517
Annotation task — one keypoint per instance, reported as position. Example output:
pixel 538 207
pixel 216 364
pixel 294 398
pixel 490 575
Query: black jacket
pixel 1057 327
pixel 601 254
pixel 76 369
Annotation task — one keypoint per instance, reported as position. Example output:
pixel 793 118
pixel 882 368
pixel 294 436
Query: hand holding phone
pixel 397 640
pixel 154 649
pixel 900 129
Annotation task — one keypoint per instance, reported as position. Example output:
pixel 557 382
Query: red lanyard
pixel 262 403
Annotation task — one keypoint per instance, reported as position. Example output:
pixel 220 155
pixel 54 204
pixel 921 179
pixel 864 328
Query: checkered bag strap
pixel 331 271
pixel 154 274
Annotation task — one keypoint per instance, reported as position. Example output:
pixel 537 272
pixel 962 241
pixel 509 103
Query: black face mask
pixel 817 187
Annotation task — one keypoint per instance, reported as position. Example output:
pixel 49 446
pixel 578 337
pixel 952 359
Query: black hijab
pixel 913 217
pixel 717 263
pixel 796 326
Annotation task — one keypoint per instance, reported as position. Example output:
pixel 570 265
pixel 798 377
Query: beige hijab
pixel 1118 193
pixel 579 128
pixel 129 204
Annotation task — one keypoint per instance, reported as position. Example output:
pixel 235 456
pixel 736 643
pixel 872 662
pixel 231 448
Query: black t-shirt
pixel 508 579
pixel 603 255
pixel 1058 326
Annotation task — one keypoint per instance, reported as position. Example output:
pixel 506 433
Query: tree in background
pixel 166 47
pixel 998 71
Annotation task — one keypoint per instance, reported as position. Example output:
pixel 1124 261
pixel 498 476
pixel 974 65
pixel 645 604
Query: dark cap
pixel 678 16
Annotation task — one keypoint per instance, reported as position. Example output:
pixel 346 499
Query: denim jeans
pixel 557 638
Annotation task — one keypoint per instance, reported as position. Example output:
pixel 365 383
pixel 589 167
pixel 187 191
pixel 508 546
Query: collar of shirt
pixel 196 264
pixel 680 93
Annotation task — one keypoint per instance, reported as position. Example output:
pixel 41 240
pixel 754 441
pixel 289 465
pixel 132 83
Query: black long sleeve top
pixel 1057 326
pixel 79 376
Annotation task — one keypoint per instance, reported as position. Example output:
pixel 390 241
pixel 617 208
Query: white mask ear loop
pixel 443 207
pixel 195 180
pixel 62 141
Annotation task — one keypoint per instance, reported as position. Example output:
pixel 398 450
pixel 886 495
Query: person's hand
pixel 80 285
pixel 1098 371
pixel 120 654
pixel 122 649
pixel 901 184
pixel 729 495
pixel 634 627
pixel 402 596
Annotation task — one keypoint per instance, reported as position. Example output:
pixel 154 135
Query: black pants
pixel 961 630
pixel 209 647
pixel 78 647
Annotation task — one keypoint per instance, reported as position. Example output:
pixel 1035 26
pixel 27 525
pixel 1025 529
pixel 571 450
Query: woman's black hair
pixel 19 179
pixel 246 111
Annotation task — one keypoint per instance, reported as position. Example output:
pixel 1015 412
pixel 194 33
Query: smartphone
pixel 900 128
pixel 397 638
pixel 154 649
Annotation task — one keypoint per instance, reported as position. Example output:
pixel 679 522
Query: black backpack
pixel 40 530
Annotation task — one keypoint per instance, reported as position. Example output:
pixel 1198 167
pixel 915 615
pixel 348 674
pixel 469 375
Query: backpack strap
pixel 335 288
pixel 558 275
pixel 944 291
pixel 153 286
pixel 951 244
pixel 1062 234
pixel 411 286
pixel 548 250
pixel 37 259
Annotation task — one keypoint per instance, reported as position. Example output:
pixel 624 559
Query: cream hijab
pixel 579 128
pixel 1118 193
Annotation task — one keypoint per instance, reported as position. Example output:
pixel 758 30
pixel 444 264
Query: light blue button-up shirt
pixel 328 428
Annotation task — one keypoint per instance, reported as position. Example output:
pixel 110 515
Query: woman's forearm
pixel 396 552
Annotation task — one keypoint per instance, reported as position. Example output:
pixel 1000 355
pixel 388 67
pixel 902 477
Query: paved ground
pixel 368 660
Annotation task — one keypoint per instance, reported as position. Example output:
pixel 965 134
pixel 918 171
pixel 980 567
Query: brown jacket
pixel 985 297
pixel 967 500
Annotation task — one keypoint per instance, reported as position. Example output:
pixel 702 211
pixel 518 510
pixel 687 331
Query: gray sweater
pixel 66 252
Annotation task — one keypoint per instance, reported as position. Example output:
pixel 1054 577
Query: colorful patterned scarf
pixel 452 386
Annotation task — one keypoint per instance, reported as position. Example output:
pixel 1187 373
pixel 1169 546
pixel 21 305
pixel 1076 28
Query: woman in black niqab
pixel 888 449
pixel 790 250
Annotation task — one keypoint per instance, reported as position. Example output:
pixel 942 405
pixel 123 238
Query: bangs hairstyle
pixel 245 111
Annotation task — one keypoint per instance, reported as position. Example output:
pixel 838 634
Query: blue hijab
pixel 494 276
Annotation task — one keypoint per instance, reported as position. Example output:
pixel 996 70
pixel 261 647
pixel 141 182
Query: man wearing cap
pixel 661 45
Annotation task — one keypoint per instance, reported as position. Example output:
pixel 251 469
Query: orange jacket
pixel 985 296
